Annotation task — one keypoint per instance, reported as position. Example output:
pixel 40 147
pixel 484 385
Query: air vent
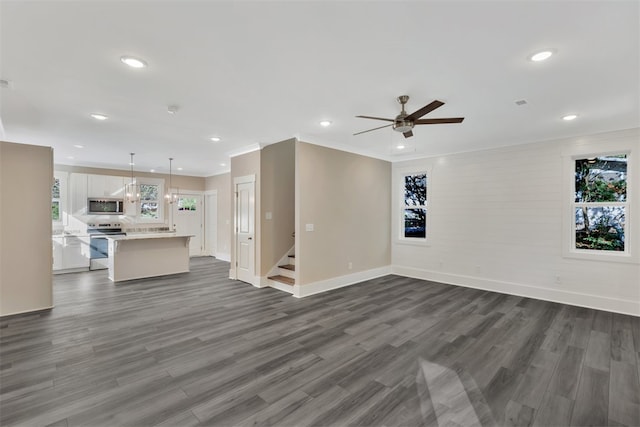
pixel 521 102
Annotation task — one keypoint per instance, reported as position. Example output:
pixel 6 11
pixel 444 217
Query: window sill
pixel 422 243
pixel 624 258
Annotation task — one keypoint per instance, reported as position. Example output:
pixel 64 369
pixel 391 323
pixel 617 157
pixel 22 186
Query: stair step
pixel 288 267
pixel 283 279
pixel 292 256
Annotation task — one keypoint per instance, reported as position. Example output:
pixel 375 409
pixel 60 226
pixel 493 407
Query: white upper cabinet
pixel 78 193
pixel 110 187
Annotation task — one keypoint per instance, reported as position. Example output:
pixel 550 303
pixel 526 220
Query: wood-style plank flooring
pixel 201 349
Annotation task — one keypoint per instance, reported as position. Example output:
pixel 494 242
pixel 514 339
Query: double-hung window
pixel 414 207
pixel 150 201
pixel 56 215
pixel 600 203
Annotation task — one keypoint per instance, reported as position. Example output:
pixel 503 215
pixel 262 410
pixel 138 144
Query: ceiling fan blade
pixel 424 110
pixel 438 121
pixel 365 131
pixel 408 133
pixel 376 118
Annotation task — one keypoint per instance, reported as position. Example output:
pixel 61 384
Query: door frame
pixel 207 220
pixel 246 179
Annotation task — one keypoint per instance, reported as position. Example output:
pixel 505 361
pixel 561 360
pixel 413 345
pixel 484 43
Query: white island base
pixel 140 256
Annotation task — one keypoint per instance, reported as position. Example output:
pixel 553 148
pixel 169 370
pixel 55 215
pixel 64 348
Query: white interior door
pixel 245 243
pixel 188 218
pixel 211 224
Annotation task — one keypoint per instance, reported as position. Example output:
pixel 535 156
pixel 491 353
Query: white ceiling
pixel 260 72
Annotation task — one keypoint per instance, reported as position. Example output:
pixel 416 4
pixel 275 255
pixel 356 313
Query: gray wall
pixel 26 177
pixel 347 197
pixel 277 196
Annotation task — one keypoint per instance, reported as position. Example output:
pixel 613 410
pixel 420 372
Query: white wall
pixel 498 223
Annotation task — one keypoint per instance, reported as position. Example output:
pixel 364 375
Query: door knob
pixel 250 238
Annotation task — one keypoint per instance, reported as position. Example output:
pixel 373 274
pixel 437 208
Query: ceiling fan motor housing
pixel 402 125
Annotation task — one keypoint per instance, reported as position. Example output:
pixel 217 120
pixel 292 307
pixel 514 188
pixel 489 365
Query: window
pixel 149 201
pixel 187 204
pixel 600 203
pixel 55 200
pixel 414 206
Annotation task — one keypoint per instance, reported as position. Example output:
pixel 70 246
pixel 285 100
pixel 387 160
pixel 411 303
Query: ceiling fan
pixel 404 122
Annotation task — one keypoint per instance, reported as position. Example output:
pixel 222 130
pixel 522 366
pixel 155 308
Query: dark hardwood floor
pixel 200 349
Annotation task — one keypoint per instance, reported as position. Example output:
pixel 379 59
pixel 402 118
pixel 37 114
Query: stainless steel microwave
pixel 105 206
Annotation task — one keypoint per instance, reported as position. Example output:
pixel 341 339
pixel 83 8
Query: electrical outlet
pixel 478 269
pixel 441 264
pixel 309 227
pixel 350 265
pixel 558 281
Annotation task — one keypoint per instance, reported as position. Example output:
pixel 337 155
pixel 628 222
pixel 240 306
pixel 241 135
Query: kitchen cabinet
pixel 71 252
pixel 76 252
pixel 58 247
pixel 109 187
pixel 78 192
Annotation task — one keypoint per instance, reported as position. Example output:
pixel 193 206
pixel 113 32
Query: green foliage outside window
pixel 187 204
pixel 55 211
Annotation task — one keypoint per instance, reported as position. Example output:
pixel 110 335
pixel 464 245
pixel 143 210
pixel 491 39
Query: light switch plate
pixel 309 227
pixel 268 215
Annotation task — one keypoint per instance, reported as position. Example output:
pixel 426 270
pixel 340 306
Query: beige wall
pixel 221 184
pixel 26 176
pixel 277 196
pixel 347 198
pixel 242 165
pixel 182 182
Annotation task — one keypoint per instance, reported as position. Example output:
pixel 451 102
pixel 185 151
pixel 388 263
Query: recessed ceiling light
pixel 215 138
pixel 223 164
pixel 79 146
pixel 152 170
pixel 99 116
pixel 180 169
pixel 400 147
pixel 131 164
pixel 70 157
pixel 542 55
pixel 325 123
pixel 133 62
pixel 570 117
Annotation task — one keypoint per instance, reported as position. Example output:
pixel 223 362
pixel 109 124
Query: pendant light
pixel 132 190
pixel 171 196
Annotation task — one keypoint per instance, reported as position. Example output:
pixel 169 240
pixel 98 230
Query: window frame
pixel 160 200
pixel 630 252
pixel 62 199
pixel 400 207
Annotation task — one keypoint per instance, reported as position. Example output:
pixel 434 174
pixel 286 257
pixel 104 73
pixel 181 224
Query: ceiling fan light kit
pixel 404 122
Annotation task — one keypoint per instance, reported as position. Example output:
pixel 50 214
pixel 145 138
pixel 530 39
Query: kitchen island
pixel 147 255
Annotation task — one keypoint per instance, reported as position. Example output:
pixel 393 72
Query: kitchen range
pixel 98 233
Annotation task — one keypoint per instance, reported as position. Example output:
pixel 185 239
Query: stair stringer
pixel 264 281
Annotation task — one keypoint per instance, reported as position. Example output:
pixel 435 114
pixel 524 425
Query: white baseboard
pixel 300 291
pixel 615 305
pixel 223 257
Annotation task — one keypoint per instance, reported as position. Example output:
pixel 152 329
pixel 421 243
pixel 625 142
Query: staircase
pixel 285 277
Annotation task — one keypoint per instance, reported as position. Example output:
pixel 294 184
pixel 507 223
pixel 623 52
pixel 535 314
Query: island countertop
pixel 139 236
